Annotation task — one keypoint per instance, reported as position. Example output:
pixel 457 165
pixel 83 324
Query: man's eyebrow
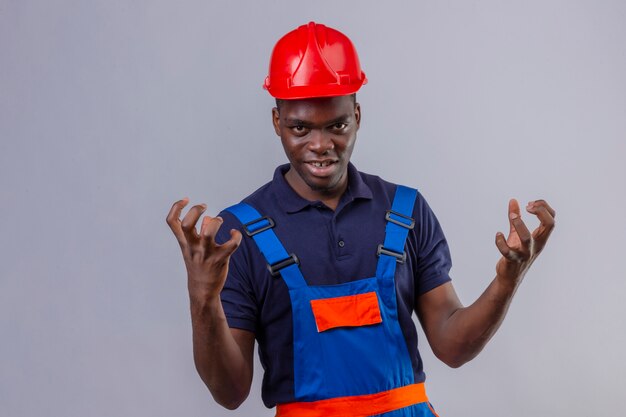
pixel 297 122
pixel 341 119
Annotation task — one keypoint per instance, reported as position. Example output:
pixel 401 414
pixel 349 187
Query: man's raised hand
pixel 205 260
pixel 521 247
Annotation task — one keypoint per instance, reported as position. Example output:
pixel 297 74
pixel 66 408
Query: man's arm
pixel 223 356
pixel 457 333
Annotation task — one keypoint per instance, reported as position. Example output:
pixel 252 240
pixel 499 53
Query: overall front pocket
pixel 347 311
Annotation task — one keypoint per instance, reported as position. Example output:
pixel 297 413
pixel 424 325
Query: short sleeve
pixel 238 296
pixel 433 255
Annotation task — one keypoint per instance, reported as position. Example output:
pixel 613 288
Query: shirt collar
pixel 291 202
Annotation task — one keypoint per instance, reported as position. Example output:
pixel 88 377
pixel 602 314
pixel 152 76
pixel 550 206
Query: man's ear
pixel 276 120
pixel 357 114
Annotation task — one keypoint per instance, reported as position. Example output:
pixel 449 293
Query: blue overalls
pixel 350 356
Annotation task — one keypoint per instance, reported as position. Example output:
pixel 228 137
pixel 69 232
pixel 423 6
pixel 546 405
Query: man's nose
pixel 321 142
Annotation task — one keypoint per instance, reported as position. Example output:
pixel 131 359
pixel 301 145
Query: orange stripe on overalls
pixel 357 406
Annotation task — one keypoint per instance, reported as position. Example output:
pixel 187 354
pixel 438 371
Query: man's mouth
pixel 322 168
pixel 320 164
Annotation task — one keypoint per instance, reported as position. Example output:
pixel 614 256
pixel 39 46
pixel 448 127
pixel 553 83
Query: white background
pixel 112 110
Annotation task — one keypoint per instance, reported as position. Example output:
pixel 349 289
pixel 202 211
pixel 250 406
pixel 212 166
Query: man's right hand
pixel 205 260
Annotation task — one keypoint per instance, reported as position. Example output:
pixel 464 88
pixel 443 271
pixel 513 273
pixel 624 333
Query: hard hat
pixel 314 61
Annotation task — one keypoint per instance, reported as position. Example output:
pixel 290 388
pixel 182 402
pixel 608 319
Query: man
pixel 334 262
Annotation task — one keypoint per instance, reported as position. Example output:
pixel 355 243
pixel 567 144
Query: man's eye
pixel 298 129
pixel 340 126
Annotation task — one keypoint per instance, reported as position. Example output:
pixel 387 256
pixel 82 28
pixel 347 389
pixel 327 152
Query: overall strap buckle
pixel 276 267
pixel 260 228
pixel 407 225
pixel 400 257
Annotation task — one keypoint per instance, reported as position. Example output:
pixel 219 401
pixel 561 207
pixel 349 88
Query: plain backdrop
pixel 112 110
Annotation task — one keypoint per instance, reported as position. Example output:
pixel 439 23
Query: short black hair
pixel 280 101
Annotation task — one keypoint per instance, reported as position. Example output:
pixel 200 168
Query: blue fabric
pixel 254 300
pixel 344 361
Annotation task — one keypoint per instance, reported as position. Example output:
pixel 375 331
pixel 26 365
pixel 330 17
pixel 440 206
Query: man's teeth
pixel 321 164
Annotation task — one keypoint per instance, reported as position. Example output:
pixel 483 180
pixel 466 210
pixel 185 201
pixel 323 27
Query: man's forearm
pixel 468 329
pixel 223 366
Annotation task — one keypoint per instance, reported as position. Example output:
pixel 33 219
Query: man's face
pixel 318 136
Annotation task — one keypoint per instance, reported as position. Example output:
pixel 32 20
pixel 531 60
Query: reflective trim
pixel 358 405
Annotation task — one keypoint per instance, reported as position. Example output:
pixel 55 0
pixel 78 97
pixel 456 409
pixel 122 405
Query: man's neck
pixel 330 198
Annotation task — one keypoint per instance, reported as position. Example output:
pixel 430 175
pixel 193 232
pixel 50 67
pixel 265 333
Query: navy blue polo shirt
pixel 333 247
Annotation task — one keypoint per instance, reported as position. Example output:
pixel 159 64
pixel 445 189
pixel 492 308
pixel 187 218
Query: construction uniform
pixel 330 294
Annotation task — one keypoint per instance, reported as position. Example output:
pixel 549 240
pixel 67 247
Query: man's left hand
pixel 521 248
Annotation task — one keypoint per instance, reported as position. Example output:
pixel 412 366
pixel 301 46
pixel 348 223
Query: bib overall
pixel 350 356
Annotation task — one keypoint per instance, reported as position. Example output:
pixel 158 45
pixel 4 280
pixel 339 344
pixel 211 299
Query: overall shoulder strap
pixel 399 222
pixel 259 228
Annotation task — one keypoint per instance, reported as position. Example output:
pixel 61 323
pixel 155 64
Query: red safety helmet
pixel 314 61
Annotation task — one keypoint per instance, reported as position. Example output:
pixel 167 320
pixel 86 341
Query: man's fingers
pixel 546 219
pixel 210 226
pixel 519 235
pixel 173 218
pixel 191 218
pixel 513 209
pixel 502 246
pixel 231 245
pixel 522 232
pixel 541 203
